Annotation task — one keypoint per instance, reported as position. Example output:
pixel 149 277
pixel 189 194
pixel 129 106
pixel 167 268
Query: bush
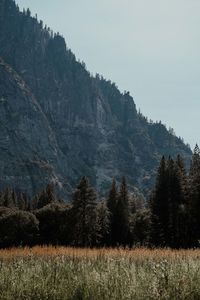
pixel 53 223
pixel 17 228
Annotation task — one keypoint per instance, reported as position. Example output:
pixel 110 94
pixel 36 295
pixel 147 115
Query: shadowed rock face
pixel 28 149
pixel 58 123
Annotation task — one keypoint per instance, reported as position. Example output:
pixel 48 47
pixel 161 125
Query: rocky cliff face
pixel 28 149
pixel 58 122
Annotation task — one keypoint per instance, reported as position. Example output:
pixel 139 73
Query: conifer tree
pixel 194 186
pixel 84 214
pixel 176 203
pixel 34 202
pixel 160 207
pixel 46 196
pixel 168 205
pixel 112 199
pixel 183 216
pixel 1 199
pixel 22 202
pixel 122 214
pixel 103 223
pixel 14 198
pixel 8 198
pixel 112 204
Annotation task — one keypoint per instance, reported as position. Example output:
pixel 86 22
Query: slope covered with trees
pixel 87 126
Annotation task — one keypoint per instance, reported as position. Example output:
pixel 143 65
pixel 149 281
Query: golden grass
pixel 66 273
pixel 115 253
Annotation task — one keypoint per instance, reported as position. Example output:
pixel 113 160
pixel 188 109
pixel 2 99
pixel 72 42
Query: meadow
pixel 76 274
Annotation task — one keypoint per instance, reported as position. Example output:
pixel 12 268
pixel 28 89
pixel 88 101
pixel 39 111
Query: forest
pixel 170 217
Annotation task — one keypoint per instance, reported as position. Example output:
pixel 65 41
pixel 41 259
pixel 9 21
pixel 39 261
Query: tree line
pixel 170 217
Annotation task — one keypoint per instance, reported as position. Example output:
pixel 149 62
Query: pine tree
pixel 103 224
pixel 84 214
pixel 34 202
pixel 23 202
pixel 160 207
pixel 1 199
pixel 183 216
pixel 8 198
pixel 176 200
pixel 194 187
pixel 122 214
pixel 14 198
pixel 28 12
pixel 112 204
pixel 46 196
pixel 168 205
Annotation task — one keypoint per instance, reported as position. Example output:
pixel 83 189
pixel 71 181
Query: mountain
pixel 57 122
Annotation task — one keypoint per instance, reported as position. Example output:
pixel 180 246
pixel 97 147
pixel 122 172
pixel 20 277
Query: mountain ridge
pixel 95 130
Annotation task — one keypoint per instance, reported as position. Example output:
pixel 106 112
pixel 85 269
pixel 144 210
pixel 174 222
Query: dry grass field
pixel 71 273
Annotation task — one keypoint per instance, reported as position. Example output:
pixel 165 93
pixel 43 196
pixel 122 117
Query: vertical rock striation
pixel 57 122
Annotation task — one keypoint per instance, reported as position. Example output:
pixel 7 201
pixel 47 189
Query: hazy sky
pixel 151 48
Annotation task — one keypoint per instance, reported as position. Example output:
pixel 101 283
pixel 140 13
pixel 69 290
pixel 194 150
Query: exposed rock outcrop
pixel 57 122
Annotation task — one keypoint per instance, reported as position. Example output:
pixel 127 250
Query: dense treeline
pixel 170 217
pixel 175 204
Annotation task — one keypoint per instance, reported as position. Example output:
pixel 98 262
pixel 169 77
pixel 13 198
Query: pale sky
pixel 150 48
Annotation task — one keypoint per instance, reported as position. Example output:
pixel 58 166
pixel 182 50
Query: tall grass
pixel 68 273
